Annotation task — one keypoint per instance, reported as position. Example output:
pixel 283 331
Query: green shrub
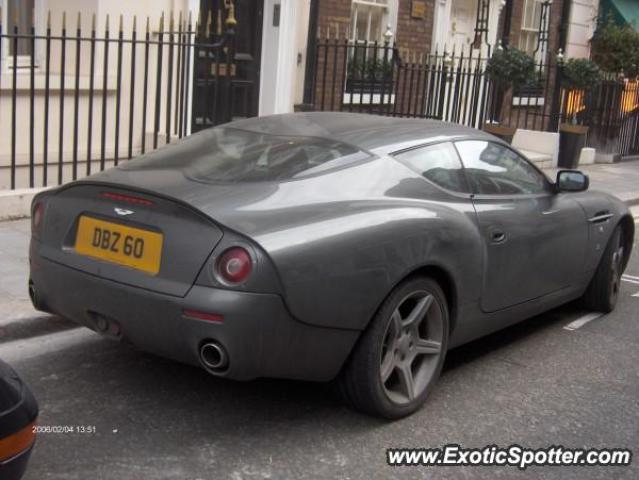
pixel 580 73
pixel 511 67
pixel 616 49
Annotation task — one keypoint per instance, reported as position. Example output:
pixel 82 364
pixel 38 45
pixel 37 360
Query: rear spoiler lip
pixel 138 190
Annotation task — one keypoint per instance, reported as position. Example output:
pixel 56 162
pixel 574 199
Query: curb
pixel 16 204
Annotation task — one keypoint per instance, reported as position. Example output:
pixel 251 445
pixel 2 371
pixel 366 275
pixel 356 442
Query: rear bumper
pixel 259 334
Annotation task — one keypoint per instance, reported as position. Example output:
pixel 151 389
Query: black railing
pixel 611 111
pixel 380 78
pixel 90 97
pixel 453 86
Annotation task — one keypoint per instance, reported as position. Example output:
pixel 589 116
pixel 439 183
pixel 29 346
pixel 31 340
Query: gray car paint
pixel 334 245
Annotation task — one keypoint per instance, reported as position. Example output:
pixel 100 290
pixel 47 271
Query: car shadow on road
pixel 473 351
pixel 35 325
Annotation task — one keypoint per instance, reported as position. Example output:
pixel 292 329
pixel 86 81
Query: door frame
pixel 278 68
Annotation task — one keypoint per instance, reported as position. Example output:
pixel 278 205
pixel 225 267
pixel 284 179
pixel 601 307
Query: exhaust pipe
pixel 213 356
pixel 36 300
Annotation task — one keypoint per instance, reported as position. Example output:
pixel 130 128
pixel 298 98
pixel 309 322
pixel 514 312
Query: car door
pixel 535 239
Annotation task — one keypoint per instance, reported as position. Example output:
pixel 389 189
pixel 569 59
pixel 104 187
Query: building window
pixel 20 13
pixel 370 18
pixel 530 25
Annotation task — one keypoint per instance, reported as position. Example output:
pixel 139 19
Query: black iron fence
pixel 75 100
pixel 453 86
pixel 610 110
pixel 383 79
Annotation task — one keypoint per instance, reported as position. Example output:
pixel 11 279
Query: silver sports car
pixel 325 246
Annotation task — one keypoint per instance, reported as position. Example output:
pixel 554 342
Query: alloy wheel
pixel 616 270
pixel 412 347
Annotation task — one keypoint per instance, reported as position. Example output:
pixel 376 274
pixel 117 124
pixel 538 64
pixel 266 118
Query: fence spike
pixel 49 19
pixel 15 17
pixel 0 16
pixel 209 21
pixel 180 19
pixel 189 20
pixel 79 22
pixel 135 22
pixel 64 20
pixel 208 24
pixel 162 23
pixel 218 20
pixel 120 26
pixel 171 23
pixel 148 24
pixel 106 25
pixel 93 22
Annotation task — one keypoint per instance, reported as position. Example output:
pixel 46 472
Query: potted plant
pixel 508 68
pixel 578 77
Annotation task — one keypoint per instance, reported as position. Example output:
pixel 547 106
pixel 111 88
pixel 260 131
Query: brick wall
pixel 412 36
pixel 411 33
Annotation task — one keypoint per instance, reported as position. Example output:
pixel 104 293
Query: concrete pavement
pixel 619 179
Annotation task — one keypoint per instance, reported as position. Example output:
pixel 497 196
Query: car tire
pixel 401 347
pixel 603 290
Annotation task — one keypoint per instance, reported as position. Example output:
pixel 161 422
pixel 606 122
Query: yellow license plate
pixel 112 242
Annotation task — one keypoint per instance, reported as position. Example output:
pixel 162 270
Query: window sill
pixel 528 101
pixel 368 99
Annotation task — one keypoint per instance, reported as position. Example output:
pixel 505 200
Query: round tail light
pixel 38 214
pixel 234 265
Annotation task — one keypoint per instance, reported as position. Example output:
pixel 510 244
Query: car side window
pixel 493 169
pixel 438 163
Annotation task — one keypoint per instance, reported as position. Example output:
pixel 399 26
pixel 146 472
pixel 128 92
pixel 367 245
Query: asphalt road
pixel 536 384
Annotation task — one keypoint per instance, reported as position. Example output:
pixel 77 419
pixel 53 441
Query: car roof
pixel 378 133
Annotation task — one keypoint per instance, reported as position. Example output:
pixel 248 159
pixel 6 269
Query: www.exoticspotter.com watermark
pixel 512 456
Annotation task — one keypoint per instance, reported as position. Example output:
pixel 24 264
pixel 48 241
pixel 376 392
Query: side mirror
pixel 572 181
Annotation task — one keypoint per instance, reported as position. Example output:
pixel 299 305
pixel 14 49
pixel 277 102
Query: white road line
pixel 630 280
pixel 631 277
pixel 580 322
pixel 636 294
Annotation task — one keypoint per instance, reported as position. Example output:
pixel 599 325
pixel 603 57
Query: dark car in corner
pixel 325 246
pixel 18 413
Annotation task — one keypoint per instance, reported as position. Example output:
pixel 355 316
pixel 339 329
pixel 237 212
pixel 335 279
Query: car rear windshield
pixel 222 155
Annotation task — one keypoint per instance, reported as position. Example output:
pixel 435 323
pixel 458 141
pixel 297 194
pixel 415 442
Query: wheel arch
pixel 445 280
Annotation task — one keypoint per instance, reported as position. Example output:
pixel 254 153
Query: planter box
pixel 572 138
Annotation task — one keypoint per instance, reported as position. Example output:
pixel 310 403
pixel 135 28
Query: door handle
pixel 600 217
pixel 497 236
